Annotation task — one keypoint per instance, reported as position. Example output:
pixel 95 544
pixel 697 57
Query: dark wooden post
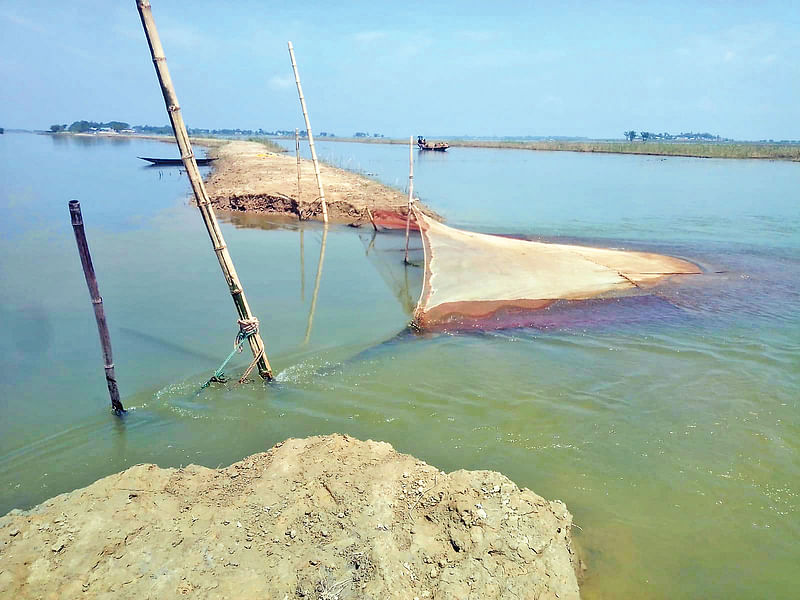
pixel 97 303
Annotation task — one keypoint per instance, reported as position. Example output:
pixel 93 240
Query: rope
pixel 247 328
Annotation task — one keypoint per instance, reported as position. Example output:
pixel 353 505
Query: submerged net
pixel 472 278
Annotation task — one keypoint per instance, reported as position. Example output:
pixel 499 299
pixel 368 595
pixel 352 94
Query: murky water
pixel 668 424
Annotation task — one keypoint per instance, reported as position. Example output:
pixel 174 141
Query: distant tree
pixel 116 125
pixel 645 135
pixel 57 128
pixel 630 135
pixel 80 126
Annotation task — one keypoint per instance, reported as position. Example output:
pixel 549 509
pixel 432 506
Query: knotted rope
pixel 247 328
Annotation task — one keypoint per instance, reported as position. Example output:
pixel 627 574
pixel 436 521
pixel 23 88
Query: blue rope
pixel 247 328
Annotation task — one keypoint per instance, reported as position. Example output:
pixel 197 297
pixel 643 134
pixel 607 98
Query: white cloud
pixel 20 20
pixel 181 35
pixel 278 82
pixel 366 37
pixel 478 35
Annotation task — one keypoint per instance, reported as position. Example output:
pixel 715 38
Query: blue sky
pixel 589 69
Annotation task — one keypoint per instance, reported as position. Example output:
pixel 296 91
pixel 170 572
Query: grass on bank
pixel 693 149
pixel 268 143
pixel 690 149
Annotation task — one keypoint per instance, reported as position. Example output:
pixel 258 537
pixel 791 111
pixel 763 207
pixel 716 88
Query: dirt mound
pixel 318 518
pixel 247 177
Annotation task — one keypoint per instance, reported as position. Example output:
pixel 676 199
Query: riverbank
pixel 258 176
pixel 321 517
pixel 248 177
pixel 739 150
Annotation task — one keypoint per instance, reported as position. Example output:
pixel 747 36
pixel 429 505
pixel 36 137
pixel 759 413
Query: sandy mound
pixel 249 178
pixel 319 518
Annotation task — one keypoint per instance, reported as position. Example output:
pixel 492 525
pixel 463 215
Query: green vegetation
pixel 692 149
pixel 93 126
pixel 267 143
pixel 759 150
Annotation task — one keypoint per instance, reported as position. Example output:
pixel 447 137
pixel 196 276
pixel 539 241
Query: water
pixel 669 425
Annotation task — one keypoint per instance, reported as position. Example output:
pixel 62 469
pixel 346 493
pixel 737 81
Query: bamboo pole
pixel 313 308
pixel 410 189
pixel 310 135
pixel 372 219
pixel 97 302
pixel 297 152
pixel 203 203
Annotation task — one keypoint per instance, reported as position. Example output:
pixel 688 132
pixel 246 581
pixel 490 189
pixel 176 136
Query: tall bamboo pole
pixel 410 189
pixel 203 203
pixel 97 302
pixel 297 152
pixel 310 135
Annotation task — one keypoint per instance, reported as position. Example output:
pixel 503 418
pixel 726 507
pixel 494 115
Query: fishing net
pixel 473 279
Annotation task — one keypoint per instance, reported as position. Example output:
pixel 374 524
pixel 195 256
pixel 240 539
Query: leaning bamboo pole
pixel 246 318
pixel 410 189
pixel 310 135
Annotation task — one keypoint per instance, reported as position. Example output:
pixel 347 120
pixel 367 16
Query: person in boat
pixel 421 141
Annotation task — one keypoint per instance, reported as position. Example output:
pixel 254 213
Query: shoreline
pixel 727 150
pixel 678 149
pixel 257 176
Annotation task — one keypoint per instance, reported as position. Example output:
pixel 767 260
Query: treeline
pixel 166 129
pixel 683 137
pixel 121 126
pixel 90 126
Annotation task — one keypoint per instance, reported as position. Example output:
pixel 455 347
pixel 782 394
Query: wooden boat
pixel 423 144
pixel 175 162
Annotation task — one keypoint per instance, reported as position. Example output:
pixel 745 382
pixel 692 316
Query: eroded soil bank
pixel 247 177
pixel 321 517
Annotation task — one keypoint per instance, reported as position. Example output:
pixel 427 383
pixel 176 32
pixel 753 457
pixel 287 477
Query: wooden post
pixel 203 203
pixel 310 135
pixel 297 152
pixel 97 303
pixel 372 219
pixel 410 189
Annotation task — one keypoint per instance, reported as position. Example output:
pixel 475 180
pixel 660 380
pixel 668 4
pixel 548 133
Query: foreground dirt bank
pixel 322 517
pixel 247 177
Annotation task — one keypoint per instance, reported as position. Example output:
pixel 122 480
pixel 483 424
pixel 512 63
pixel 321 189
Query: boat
pixel 175 162
pixel 423 144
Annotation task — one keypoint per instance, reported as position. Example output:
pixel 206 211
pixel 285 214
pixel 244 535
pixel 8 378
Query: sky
pixel 435 68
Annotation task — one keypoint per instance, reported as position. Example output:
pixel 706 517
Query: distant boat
pixel 175 162
pixel 423 144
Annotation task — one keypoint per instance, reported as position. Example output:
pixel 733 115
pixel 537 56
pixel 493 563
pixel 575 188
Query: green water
pixel 669 425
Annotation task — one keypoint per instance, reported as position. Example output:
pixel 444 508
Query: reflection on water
pixel 668 423
pixel 317 280
pixel 386 252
